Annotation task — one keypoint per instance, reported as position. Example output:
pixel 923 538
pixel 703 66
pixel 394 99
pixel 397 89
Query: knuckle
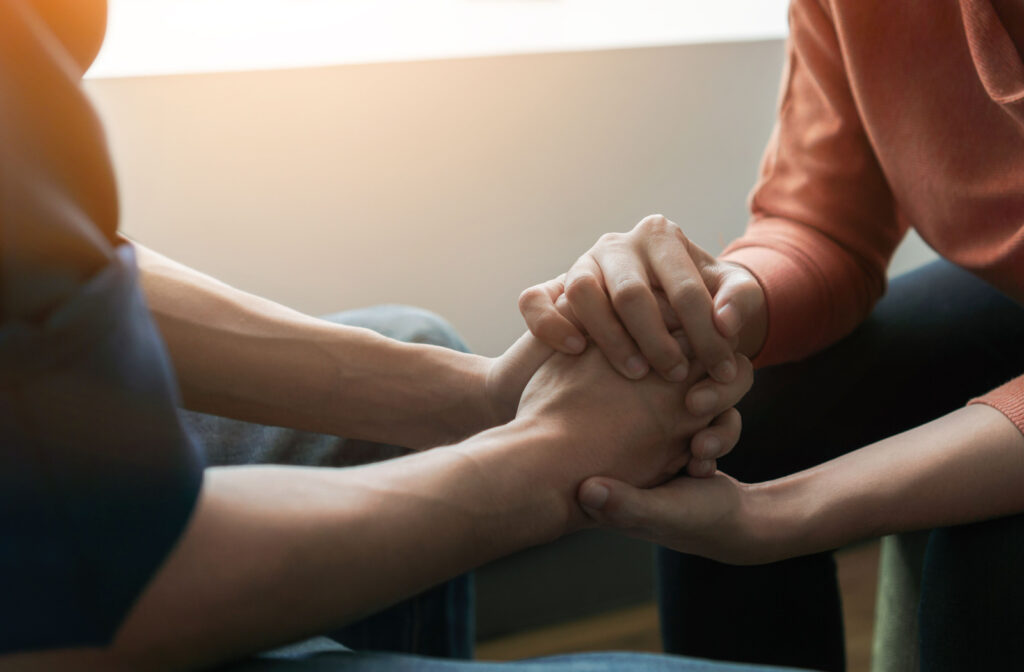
pixel 688 295
pixel 547 327
pixel 663 356
pixel 528 297
pixel 746 372
pixel 733 419
pixel 610 239
pixel 629 293
pixel 654 223
pixel 660 225
pixel 580 286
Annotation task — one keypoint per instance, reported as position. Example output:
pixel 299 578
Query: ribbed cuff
pixel 1008 399
pixel 794 297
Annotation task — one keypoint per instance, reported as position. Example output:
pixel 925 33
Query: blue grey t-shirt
pixel 97 476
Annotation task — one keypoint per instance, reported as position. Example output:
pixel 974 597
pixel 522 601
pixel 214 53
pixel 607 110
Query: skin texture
pixel 327 546
pixel 963 467
pixel 617 292
pixel 321 546
pixel 653 298
pixel 242 356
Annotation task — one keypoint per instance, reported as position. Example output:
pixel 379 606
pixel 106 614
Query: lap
pixel 586 662
pixel 938 338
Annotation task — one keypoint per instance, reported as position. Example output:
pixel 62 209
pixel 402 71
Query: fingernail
pixel 594 496
pixel 703 401
pixel 724 372
pixel 678 373
pixel 712 446
pixel 636 366
pixel 574 344
pixel 729 317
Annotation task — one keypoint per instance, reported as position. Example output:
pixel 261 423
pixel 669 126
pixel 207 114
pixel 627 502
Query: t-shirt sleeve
pixel 824 224
pixel 97 476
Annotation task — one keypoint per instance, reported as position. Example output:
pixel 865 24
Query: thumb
pixel 511 372
pixel 738 298
pixel 527 354
pixel 616 504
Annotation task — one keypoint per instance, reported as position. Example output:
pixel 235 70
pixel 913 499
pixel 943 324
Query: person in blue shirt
pixel 120 551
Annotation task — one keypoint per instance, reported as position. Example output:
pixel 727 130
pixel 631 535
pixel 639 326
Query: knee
pixel 969 614
pixel 404 323
pixel 417 325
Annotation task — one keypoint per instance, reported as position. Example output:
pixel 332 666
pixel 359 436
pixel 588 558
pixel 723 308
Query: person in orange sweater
pixel 893 115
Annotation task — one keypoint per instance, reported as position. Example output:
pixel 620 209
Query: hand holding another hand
pixel 717 517
pixel 637 431
pixel 612 291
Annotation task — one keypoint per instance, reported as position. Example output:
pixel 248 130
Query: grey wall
pixel 451 184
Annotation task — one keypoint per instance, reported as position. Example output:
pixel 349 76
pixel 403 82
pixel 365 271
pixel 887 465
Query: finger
pixel 677 465
pixel 565 310
pixel 719 438
pixel 537 305
pixel 668 314
pixel 685 288
pixel 709 397
pixel 684 344
pixel 585 291
pixel 527 354
pixel 738 298
pixel 702 468
pixel 620 505
pixel 631 295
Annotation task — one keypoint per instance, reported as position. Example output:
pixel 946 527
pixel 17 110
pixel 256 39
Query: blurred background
pixel 331 154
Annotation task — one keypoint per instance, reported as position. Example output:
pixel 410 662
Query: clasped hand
pixel 648 299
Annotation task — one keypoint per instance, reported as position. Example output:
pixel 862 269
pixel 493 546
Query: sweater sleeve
pixel 1008 399
pixel 823 225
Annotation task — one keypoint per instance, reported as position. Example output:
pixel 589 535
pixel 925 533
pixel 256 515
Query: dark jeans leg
pixel 971 615
pixel 439 622
pixel 939 337
pixel 580 662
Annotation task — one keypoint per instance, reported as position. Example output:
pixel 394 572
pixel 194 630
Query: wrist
pixel 527 464
pixel 473 409
pixel 782 518
pixel 818 509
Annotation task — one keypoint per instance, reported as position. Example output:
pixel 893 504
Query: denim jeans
pixel 582 662
pixel 938 338
pixel 438 622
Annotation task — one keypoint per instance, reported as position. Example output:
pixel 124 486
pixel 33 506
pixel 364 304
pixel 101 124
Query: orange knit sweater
pixel 892 115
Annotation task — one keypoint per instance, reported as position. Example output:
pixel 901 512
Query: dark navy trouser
pixel 938 338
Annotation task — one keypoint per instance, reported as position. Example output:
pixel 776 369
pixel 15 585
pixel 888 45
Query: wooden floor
pixel 636 628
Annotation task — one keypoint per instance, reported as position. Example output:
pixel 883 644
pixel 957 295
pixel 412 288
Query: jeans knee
pixel 404 323
pixel 969 615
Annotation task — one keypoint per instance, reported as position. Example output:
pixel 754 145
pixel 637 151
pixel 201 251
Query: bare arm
pixel 275 554
pixel 246 357
pixel 963 467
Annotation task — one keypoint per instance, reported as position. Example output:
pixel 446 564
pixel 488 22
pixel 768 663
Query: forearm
pixel 963 467
pixel 245 357
pixel 277 554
